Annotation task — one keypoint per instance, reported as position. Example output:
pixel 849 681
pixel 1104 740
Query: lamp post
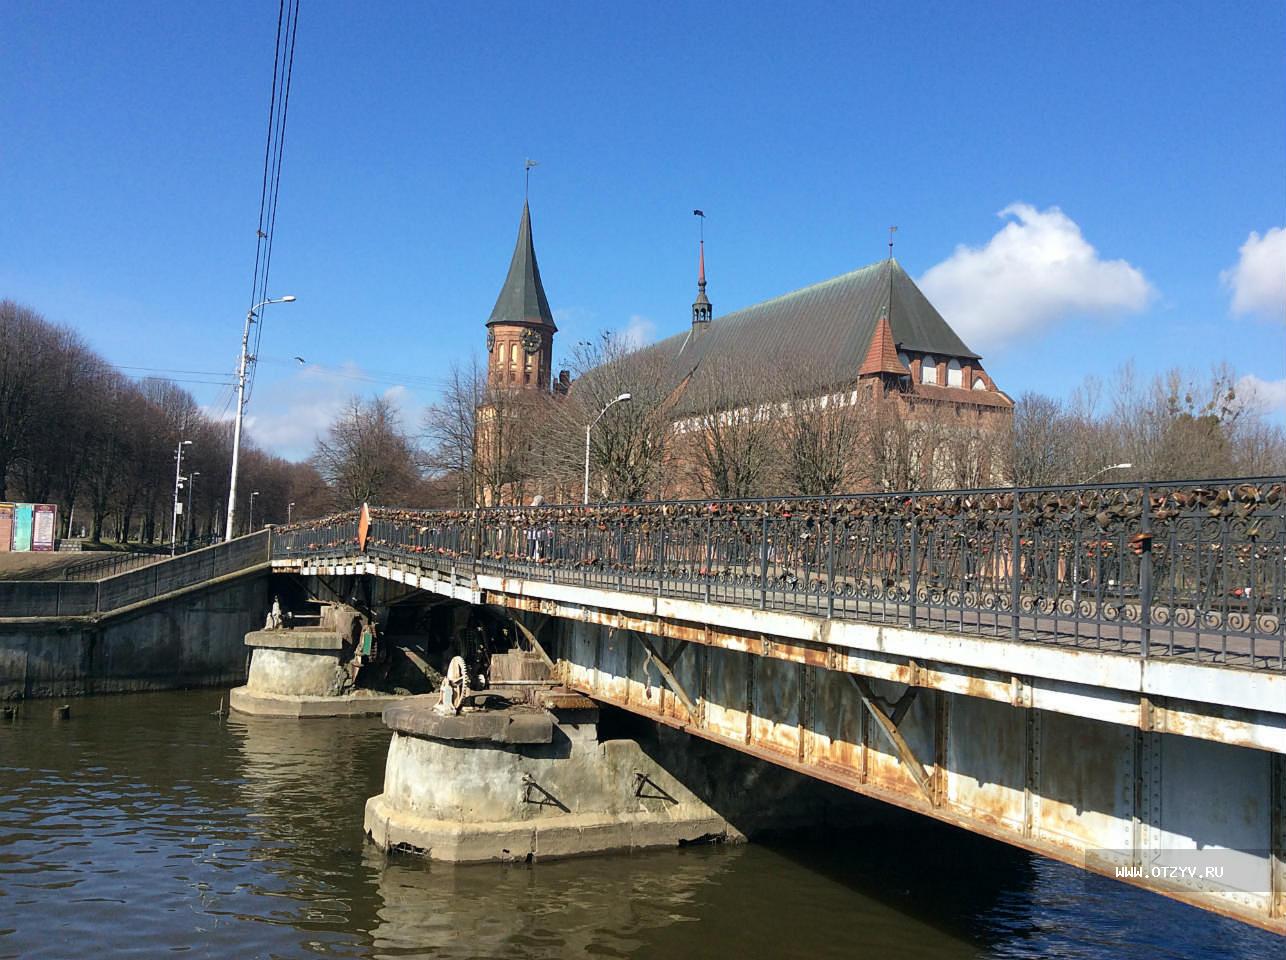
pixel 290 509
pixel 253 494
pixel 191 483
pixel 246 360
pixel 174 517
pixel 623 397
pixel 1099 473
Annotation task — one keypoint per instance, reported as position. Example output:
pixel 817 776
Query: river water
pixel 146 826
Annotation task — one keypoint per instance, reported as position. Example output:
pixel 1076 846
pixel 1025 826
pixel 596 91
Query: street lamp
pixel 623 397
pixel 174 517
pixel 246 360
pixel 253 494
pixel 191 483
pixel 290 509
pixel 1115 466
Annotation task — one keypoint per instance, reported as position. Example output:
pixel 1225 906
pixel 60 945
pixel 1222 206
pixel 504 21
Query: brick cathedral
pixel 866 334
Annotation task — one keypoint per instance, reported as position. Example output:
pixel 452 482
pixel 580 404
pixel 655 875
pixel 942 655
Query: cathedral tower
pixel 520 331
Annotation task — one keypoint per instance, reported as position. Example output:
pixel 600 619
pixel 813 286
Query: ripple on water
pixel 143 826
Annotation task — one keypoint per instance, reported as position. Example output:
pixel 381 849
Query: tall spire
pixel 701 308
pixel 522 298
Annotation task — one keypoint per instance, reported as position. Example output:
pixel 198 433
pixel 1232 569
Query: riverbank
pixel 193 640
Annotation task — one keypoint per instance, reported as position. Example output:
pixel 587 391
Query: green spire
pixel 522 298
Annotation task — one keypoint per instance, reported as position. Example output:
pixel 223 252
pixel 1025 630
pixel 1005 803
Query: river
pixel 146 826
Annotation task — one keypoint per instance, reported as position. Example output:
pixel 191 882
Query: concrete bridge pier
pixel 543 777
pixel 526 783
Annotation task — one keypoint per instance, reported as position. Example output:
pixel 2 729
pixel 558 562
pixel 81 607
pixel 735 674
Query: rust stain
pixel 902 791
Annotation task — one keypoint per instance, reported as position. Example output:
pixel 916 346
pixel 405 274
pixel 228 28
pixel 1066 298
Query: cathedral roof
pixel 522 298
pixel 823 333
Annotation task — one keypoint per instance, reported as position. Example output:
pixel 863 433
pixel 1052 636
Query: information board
pixel 6 527
pixel 44 523
pixel 22 517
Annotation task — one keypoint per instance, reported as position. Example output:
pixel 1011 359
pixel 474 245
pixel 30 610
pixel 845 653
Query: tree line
pixel 77 432
pixel 1176 425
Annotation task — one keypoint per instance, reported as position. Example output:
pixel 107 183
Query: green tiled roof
pixel 522 298
pixel 824 329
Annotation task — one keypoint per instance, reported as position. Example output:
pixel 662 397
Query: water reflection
pixel 145 825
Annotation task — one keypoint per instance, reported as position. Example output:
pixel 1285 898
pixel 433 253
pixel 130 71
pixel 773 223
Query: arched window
pixel 513 354
pixel 928 369
pixel 904 360
pixel 979 383
pixel 955 374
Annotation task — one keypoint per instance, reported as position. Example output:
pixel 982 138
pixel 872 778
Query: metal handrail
pixel 41 598
pixel 1193 569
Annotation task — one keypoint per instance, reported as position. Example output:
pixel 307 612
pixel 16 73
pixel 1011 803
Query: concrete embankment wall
pixel 193 639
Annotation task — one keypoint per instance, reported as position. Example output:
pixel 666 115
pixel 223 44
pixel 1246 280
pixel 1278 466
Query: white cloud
pixel 1258 281
pixel 1038 269
pixel 1269 395
pixel 286 416
pixel 639 332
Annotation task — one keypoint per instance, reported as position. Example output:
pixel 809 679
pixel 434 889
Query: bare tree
pixel 726 434
pixel 365 456
pixel 630 443
pixel 1042 441
pixel 449 431
pixel 821 433
pixel 28 345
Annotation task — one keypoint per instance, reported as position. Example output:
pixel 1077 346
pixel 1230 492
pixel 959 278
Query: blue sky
pixel 1137 147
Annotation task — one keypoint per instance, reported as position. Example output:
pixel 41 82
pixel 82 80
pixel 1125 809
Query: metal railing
pixel 43 598
pixel 111 564
pixel 1195 570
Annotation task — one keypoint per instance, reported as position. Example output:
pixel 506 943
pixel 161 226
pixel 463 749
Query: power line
pixel 228 379
pixel 199 373
pixel 274 154
pixel 369 376
pixel 186 376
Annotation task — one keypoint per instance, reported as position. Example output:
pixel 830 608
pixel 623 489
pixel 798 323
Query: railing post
pixel 620 554
pixel 763 563
pixel 830 568
pixel 709 554
pixel 915 562
pixel 1145 575
pixel 660 567
pixel 476 546
pixel 1015 568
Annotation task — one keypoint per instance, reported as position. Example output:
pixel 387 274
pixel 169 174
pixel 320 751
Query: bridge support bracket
pixel 530 635
pixel 666 669
pixel 889 727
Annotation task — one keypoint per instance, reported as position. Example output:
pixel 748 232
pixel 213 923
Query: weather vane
pixel 702 215
pixel 528 164
pixel 892 230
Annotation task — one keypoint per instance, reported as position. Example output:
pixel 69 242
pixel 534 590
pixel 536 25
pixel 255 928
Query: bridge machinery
pixel 1094 673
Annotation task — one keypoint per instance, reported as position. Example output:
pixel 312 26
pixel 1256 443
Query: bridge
pixel 1094 673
